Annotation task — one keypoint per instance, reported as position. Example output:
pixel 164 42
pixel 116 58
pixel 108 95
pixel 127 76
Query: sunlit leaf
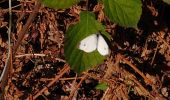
pixel 123 12
pixel 78 59
pixel 102 86
pixel 59 4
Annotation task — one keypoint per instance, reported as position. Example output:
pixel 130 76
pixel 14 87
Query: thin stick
pixel 142 88
pixel 61 79
pixel 164 41
pixel 7 67
pixel 72 92
pixel 26 27
pixel 19 11
pixel 23 55
pixel 136 69
pixel 154 54
pixel 61 73
pixel 42 55
pixel 4 74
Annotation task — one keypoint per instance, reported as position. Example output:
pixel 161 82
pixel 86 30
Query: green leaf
pixel 123 12
pixel 78 59
pixel 59 4
pixel 167 1
pixel 102 86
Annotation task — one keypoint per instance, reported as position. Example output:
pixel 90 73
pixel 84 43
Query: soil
pixel 137 68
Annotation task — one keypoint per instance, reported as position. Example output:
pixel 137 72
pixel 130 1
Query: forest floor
pixel 137 68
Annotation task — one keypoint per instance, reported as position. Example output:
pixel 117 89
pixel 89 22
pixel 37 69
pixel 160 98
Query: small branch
pixel 145 91
pixel 72 92
pixel 61 79
pixel 26 27
pixel 4 75
pixel 164 41
pixel 42 55
pixel 136 69
pixel 23 55
pixel 154 54
pixel 8 65
pixel 60 74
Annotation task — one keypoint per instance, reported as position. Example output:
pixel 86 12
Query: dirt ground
pixel 137 68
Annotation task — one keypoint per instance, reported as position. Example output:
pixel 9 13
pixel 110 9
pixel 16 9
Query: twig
pixel 4 75
pixel 105 93
pixel 142 88
pixel 164 41
pixel 6 69
pixel 19 11
pixel 23 55
pixel 42 55
pixel 61 73
pixel 26 26
pixel 136 69
pixel 60 60
pixel 61 79
pixel 72 92
pixel 154 54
